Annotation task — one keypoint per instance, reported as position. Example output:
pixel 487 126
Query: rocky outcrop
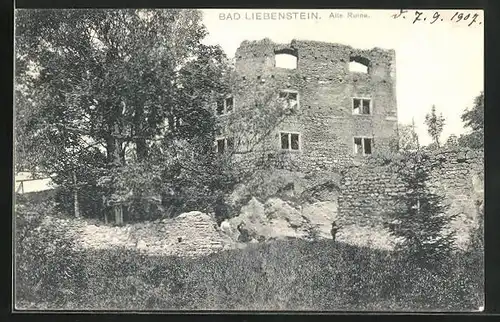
pixel 321 215
pixel 279 219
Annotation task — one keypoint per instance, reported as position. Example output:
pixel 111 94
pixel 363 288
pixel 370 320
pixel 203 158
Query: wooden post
pixel 105 209
pixel 118 209
pixel 75 196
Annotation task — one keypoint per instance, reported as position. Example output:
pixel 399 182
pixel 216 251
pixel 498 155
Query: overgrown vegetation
pixel 435 123
pixel 473 119
pixel 124 120
pixel 407 138
pixel 278 275
pixel 291 275
pixel 47 264
pixel 119 106
pixel 420 218
pixel 113 109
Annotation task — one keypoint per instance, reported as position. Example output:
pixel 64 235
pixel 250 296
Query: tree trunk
pixel 75 196
pixel 122 156
pixel 142 149
pixel 110 149
pixel 140 143
pixel 118 210
pixel 105 210
pixel 114 159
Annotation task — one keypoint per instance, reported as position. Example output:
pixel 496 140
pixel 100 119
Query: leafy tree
pixel 121 108
pixel 408 138
pixel 419 219
pixel 110 87
pixel 435 124
pixel 452 141
pixel 474 119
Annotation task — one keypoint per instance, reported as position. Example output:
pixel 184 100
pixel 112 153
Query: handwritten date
pixel 457 17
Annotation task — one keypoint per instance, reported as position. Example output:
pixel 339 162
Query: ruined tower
pixel 338 114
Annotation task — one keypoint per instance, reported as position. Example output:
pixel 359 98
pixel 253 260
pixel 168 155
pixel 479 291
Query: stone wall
pixel 189 234
pixel 326 87
pixel 368 190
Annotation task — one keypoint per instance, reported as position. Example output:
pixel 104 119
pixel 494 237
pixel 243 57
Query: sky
pixel 440 63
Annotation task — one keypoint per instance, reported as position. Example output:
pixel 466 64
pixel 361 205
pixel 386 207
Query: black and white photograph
pixel 280 160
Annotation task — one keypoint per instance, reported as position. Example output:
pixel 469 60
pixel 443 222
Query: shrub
pixel 47 264
pixel 279 275
pixel 420 216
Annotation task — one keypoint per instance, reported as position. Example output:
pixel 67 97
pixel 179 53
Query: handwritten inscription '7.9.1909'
pixel 457 16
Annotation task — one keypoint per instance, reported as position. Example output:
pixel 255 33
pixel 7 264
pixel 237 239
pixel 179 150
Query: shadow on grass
pixel 279 275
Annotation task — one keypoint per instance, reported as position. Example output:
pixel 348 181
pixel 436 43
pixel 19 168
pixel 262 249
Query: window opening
pixel 363 146
pixel 290 141
pixel 361 106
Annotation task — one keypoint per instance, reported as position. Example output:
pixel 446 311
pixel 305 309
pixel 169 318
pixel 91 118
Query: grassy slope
pixel 281 275
pixel 293 275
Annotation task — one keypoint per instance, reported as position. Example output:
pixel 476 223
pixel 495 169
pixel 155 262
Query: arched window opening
pixel 286 58
pixel 358 64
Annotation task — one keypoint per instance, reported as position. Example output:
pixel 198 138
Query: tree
pixel 408 138
pixel 435 124
pixel 474 120
pixel 452 141
pixel 420 218
pixel 110 87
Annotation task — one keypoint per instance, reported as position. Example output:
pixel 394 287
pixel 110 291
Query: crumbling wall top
pixel 305 48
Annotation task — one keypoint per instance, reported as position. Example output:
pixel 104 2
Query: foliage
pixel 196 180
pixel 452 141
pixel 254 124
pixel 103 94
pixel 47 265
pixel 386 157
pixel 477 238
pixel 292 275
pixel 118 105
pixel 435 124
pixel 474 119
pixel 253 128
pixel 420 218
pixel 408 138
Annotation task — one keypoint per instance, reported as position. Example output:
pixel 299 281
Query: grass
pixel 52 274
pixel 292 275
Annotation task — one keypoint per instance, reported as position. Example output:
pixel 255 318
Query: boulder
pixel 252 214
pixel 194 215
pixel 225 227
pixel 275 219
pixel 277 209
pixel 321 215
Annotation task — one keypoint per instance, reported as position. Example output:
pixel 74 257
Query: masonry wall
pixel 190 234
pixel 368 190
pixel 326 88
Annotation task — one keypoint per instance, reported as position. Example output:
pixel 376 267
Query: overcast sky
pixel 440 63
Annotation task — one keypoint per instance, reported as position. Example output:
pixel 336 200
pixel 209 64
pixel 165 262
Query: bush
pixel 420 217
pixel 278 275
pixel 47 264
pixel 292 275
